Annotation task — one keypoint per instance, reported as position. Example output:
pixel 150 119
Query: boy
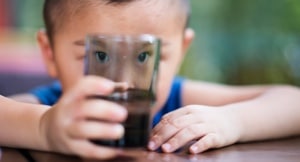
pixel 213 115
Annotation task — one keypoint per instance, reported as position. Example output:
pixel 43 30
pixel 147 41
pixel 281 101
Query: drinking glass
pixel 132 62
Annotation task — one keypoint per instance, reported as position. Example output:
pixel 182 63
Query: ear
pixel 47 52
pixel 188 38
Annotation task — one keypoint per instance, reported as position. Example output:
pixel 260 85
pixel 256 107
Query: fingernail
pixel 108 86
pixel 118 129
pixel 167 147
pixel 121 111
pixel 151 145
pixel 194 149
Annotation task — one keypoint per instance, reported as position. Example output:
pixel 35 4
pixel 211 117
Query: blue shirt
pixel 49 95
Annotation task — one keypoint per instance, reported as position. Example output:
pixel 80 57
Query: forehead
pixel 139 17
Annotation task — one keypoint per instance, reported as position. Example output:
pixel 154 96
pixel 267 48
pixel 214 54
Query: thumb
pixel 91 85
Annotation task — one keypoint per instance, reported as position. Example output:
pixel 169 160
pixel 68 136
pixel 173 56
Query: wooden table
pixel 285 150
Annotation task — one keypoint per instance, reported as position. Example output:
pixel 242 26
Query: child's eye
pixel 101 56
pixel 143 57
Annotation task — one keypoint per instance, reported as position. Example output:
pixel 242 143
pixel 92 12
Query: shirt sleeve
pixel 174 100
pixel 48 94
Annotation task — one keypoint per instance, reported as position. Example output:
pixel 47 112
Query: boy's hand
pixel 74 120
pixel 210 127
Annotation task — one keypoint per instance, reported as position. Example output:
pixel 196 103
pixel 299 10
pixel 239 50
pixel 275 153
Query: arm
pixel 270 111
pixel 210 94
pixel 228 115
pixel 19 124
pixel 69 125
pixel 273 114
pixel 28 98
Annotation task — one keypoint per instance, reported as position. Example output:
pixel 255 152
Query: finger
pixel 96 130
pixel 121 86
pixel 87 150
pixel 168 128
pixel 156 140
pixel 207 142
pixel 173 115
pixel 102 110
pixel 184 136
pixel 92 85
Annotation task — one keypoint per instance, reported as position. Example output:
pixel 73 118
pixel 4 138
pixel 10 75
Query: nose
pixel 122 72
pixel 125 76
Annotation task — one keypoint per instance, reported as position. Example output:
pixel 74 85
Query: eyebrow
pixel 79 43
pixel 82 43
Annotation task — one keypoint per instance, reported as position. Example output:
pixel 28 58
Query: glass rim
pixel 143 37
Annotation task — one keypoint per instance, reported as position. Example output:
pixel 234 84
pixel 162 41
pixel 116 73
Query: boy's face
pixel 65 60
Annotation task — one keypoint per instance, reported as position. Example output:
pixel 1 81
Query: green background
pixel 237 41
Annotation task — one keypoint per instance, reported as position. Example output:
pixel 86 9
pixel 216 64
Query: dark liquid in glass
pixel 137 125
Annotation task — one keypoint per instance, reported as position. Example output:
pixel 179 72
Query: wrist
pixel 236 121
pixel 42 130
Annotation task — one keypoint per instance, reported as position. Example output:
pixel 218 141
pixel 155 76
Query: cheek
pixel 167 70
pixel 163 88
pixel 165 78
pixel 70 71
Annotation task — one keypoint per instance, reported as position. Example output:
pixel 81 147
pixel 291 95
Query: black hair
pixel 56 12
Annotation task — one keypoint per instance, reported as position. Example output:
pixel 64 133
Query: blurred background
pixel 237 42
